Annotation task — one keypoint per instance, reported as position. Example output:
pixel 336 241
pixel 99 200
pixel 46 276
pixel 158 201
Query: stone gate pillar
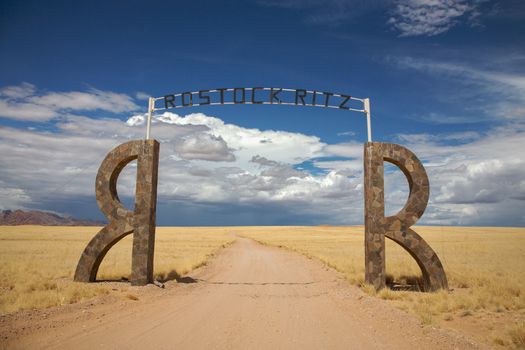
pixel 122 222
pixel 397 227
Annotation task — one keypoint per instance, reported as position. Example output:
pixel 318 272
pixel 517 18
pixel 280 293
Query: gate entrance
pixel 141 221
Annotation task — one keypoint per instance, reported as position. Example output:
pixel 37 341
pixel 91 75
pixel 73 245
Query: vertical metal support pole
pixel 366 102
pixel 151 106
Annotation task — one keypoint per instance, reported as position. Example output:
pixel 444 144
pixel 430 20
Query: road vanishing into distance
pixel 249 296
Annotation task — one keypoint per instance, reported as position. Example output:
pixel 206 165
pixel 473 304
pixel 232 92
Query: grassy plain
pixel 37 263
pixel 485 268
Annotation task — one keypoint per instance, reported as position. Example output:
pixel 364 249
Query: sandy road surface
pixel 249 297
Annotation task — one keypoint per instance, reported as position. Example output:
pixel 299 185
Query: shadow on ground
pixel 405 283
pixel 173 275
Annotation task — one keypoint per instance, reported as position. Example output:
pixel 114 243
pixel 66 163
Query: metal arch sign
pixel 142 221
pixel 260 96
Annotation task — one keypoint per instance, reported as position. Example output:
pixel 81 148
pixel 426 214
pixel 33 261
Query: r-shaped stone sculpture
pixel 397 227
pixel 141 221
pixel 122 221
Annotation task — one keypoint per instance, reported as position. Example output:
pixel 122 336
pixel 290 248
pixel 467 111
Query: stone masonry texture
pixel 122 222
pixel 141 221
pixel 397 227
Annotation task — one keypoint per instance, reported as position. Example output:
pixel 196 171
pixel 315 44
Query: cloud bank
pixel 239 175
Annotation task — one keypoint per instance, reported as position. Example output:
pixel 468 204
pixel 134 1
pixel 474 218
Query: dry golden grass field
pixel 37 263
pixel 485 268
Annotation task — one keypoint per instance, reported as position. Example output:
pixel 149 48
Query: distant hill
pixel 34 217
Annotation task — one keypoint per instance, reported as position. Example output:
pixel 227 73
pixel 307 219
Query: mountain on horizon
pixel 35 217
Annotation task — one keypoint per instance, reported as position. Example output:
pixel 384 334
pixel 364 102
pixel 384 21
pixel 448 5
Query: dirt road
pixel 248 297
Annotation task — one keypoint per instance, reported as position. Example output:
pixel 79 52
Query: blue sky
pixel 446 79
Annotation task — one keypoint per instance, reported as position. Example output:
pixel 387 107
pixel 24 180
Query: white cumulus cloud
pixel 477 182
pixel 204 147
pixel 478 179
